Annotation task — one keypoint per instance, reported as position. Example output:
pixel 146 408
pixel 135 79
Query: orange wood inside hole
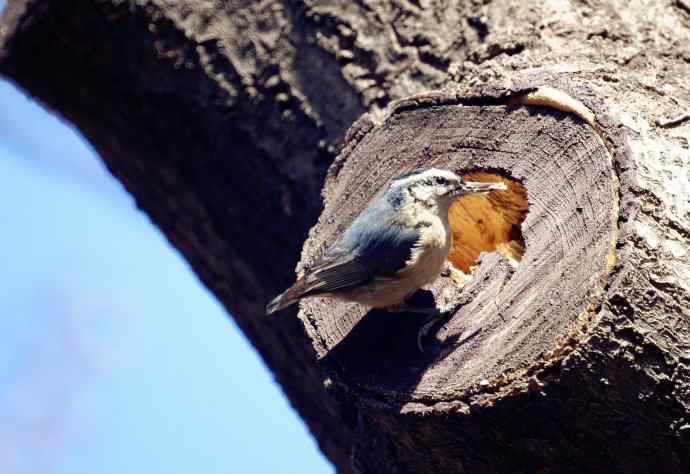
pixel 487 222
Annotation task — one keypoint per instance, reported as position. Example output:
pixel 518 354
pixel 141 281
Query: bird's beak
pixel 472 187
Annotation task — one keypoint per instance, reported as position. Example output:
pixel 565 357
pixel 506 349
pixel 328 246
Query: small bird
pixel 397 245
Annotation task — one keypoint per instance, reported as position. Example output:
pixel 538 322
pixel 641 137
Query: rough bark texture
pixel 222 119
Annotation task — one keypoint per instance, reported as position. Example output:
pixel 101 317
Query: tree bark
pixel 223 118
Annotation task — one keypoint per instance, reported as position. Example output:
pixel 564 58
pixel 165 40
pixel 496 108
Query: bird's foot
pixel 432 313
pixel 426 327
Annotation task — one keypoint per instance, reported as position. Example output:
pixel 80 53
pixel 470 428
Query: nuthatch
pixel 397 245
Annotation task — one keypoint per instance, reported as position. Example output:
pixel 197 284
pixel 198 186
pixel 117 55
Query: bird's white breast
pixel 423 267
pixel 429 255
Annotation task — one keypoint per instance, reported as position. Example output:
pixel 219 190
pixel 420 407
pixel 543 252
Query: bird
pixel 398 244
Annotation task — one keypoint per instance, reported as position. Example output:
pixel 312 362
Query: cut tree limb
pixel 513 316
pixel 222 119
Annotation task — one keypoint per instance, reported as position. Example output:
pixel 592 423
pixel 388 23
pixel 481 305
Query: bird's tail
pixel 289 297
pixel 279 302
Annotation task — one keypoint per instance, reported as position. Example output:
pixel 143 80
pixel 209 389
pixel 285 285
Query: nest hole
pixel 488 222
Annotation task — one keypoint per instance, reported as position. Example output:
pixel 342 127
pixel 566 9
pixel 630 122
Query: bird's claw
pixel 426 328
pixel 432 313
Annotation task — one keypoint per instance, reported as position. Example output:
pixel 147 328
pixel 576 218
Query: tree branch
pixel 222 119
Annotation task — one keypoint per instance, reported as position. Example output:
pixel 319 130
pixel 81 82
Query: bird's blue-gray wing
pixel 375 245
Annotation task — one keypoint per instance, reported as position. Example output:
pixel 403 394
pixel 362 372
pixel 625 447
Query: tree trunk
pixel 568 344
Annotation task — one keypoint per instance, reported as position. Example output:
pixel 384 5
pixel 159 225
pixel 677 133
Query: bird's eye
pixel 441 180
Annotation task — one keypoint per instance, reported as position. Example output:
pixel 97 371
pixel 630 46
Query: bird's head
pixel 442 187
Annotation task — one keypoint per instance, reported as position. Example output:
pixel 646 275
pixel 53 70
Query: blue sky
pixel 113 357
